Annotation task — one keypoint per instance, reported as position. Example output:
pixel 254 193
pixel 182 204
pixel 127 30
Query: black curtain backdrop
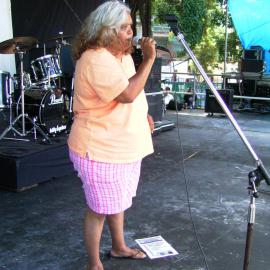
pixel 44 19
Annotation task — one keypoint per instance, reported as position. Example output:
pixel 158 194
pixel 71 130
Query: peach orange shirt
pixel 106 130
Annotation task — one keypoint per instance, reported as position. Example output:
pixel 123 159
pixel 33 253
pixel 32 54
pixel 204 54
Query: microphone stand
pixel 255 176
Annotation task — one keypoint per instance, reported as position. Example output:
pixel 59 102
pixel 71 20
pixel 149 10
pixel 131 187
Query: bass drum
pixel 47 107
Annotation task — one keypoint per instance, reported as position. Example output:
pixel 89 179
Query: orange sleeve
pixel 106 76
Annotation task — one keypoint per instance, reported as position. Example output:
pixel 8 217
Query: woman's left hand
pixel 151 122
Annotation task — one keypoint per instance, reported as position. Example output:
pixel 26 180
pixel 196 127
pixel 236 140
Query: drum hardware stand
pixel 34 127
pixel 8 90
pixel 49 77
pixel 22 116
pixel 9 100
pixel 58 54
pixel 60 42
pixel 44 49
pixel 256 176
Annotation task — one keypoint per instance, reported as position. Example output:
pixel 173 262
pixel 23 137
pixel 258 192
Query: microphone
pixel 136 41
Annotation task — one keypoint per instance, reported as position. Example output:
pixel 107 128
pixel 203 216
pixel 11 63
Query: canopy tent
pixel 252 22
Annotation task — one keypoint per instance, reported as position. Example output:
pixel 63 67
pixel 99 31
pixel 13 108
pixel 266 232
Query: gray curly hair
pixel 101 27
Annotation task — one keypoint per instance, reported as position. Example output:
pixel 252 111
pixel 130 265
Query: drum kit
pixel 41 104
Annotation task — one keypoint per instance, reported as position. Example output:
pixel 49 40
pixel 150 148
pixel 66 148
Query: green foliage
pixel 191 20
pixel 190 13
pixel 207 50
pixel 202 23
pixel 162 7
pixel 234 47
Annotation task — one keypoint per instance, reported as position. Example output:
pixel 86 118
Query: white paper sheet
pixel 156 247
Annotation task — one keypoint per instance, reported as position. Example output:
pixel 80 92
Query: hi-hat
pixel 17 44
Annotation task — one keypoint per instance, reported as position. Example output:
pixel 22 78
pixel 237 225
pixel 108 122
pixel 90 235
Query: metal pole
pixel 226 46
pixel 194 91
pixel 22 92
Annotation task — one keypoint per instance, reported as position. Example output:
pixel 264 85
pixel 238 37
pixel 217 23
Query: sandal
pixel 138 255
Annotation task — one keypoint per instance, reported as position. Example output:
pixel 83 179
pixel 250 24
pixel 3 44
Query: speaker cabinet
pixel 155 106
pixel 153 83
pixel 152 87
pixel 211 104
pixel 153 91
pixel 263 90
pixel 253 54
pixel 249 65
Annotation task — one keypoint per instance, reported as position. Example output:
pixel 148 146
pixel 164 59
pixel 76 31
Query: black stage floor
pixel 41 226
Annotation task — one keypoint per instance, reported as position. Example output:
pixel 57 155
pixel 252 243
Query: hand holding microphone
pixel 147 45
pixel 137 40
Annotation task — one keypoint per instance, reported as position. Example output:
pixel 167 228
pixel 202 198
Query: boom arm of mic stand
pixel 173 23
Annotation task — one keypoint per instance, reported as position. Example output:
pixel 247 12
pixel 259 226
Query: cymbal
pixel 17 44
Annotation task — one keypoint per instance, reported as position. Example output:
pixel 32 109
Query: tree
pixel 190 15
pixel 202 23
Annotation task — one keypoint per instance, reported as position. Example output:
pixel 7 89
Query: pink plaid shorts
pixel 108 187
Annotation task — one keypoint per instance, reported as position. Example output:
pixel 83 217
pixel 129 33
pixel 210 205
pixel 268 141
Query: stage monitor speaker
pixel 211 104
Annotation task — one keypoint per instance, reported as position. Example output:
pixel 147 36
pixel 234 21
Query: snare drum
pixel 45 67
pixel 4 88
pixel 47 106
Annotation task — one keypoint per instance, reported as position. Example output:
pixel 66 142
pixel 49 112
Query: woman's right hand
pixel 148 47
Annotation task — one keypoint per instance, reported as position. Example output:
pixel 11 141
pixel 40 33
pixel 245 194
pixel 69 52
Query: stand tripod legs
pixel 36 127
pixel 11 127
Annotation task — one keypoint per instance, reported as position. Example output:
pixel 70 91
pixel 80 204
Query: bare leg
pixel 116 225
pixel 93 226
pixel 119 247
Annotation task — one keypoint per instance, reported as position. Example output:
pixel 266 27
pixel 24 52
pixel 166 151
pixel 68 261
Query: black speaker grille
pixel 248 65
pixel 211 104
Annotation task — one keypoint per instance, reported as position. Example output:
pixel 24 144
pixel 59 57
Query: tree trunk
pixel 144 7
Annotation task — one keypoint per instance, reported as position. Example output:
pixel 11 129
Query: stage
pixel 41 226
pixel 24 164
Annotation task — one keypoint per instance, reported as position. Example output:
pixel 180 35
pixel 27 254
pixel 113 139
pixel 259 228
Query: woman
pixel 111 132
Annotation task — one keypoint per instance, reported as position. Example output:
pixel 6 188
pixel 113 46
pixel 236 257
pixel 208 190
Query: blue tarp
pixel 251 19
